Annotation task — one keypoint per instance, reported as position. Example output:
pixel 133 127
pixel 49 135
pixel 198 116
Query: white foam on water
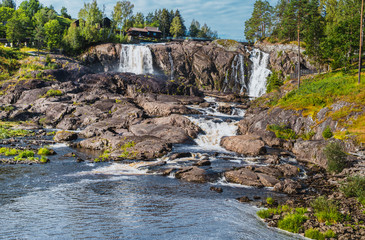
pixel 120 169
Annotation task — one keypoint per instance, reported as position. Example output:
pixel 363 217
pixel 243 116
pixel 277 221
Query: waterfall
pixel 236 80
pixel 259 74
pixel 172 66
pixel 136 59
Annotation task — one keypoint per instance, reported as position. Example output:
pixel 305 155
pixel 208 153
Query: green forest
pixel 32 22
pixel 329 29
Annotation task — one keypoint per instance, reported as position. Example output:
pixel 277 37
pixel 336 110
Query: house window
pixel 154 34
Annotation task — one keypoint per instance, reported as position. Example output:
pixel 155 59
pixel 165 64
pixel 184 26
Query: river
pixel 69 200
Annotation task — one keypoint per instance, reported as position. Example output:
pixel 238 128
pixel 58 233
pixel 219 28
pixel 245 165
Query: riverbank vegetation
pixel 337 91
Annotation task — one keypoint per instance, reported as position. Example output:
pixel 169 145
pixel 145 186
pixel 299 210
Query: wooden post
pixel 361 39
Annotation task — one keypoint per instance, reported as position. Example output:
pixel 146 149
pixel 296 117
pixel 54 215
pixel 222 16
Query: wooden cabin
pixel 147 32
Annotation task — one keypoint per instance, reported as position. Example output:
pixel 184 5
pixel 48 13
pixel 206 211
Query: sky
pixel 227 17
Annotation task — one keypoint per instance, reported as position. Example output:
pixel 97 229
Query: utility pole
pixel 361 39
pixel 299 47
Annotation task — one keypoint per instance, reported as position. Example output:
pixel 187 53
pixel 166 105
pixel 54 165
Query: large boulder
pixel 244 144
pixel 192 174
pixel 65 136
pixel 243 176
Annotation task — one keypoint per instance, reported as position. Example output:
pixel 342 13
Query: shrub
pixel 314 234
pixel 327 133
pixel 44 159
pixel 53 93
pixel 44 151
pixel 270 200
pixel 307 135
pixel 329 234
pixel 25 154
pixel 326 210
pixel 354 187
pixel 292 222
pixel 336 157
pixel 264 213
pixel 282 131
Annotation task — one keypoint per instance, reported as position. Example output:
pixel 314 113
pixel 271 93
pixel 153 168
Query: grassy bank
pixel 321 91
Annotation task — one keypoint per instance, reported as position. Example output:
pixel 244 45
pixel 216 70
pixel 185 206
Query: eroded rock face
pixel 250 145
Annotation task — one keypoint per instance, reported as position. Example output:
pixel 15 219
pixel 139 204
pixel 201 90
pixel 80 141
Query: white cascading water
pixel 136 59
pixel 214 126
pixel 238 71
pixel 259 74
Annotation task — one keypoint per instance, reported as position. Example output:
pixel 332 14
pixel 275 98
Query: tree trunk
pixel 361 40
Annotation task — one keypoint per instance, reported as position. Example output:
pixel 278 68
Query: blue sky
pixel 225 16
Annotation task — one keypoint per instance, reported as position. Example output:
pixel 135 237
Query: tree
pixel 313 31
pixel 165 23
pixel 73 41
pixel 30 7
pixel 5 14
pixel 53 32
pixel 194 28
pixel 206 32
pixel 123 11
pixel 17 27
pixel 176 28
pixel 90 20
pixel 43 16
pixel 64 13
pixel 258 26
pixel 139 20
pixel 39 36
pixel 9 4
pixel 177 14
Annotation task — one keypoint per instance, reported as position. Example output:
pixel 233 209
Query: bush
pixel 270 200
pixel 53 93
pixel 327 133
pixel 354 187
pixel 329 234
pixel 292 222
pixel 336 157
pixel 326 210
pixel 314 234
pixel 282 131
pixel 44 151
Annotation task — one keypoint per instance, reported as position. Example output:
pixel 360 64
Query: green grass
pixel 314 234
pixel 327 133
pixel 266 213
pixel 7 132
pixel 323 90
pixel 292 222
pixel 9 151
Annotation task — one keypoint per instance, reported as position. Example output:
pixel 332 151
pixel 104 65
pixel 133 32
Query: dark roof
pixel 146 29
